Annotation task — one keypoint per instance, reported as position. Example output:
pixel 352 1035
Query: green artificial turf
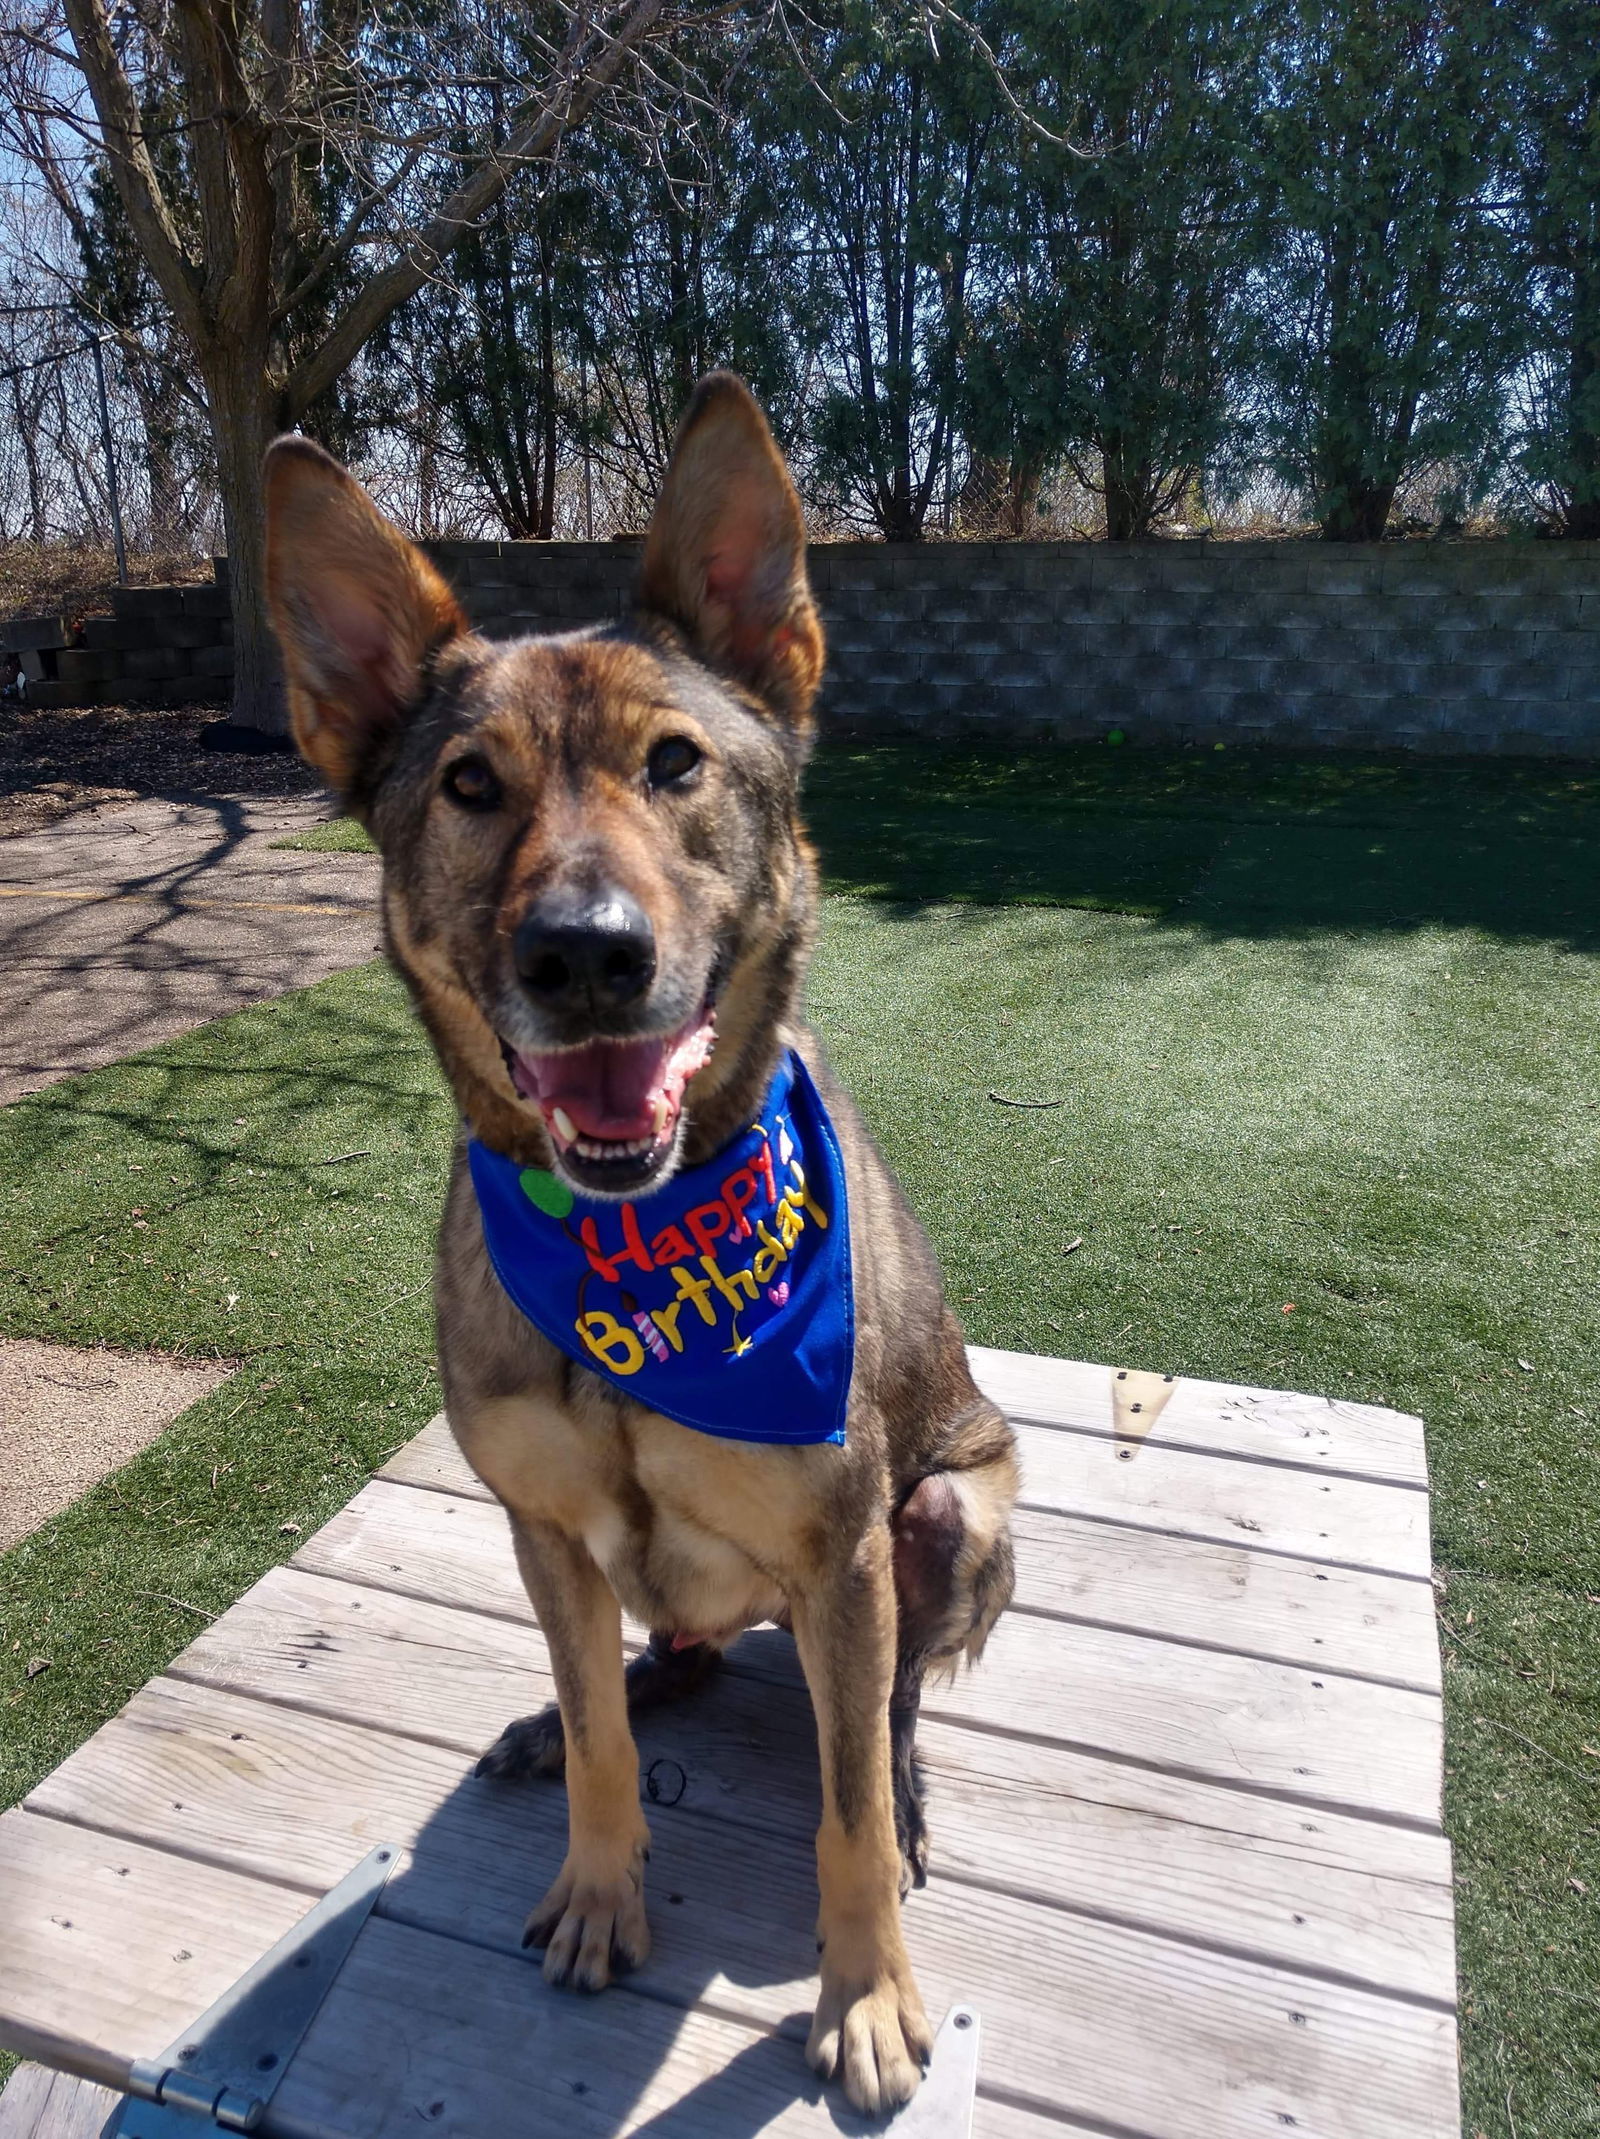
pixel 1347 1069
pixel 1115 830
pixel 340 835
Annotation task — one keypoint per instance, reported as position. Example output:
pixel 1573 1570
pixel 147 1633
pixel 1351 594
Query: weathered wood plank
pixel 110 1947
pixel 431 1459
pixel 1350 1522
pixel 1214 1418
pixel 40 2104
pixel 282 1794
pixel 1254 1603
pixel 1234 1719
pixel 450 1679
pixel 1329 1741
pixel 1149 2027
pixel 1184 1589
pixel 562 2067
pixel 1204 1862
pixel 1223 1650
pixel 482 2037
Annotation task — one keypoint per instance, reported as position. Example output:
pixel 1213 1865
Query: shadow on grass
pixel 1244 845
pixel 184 1198
pixel 1246 842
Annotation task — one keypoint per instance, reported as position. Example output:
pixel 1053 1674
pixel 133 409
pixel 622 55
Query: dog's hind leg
pixel 537 1745
pixel 910 1822
pixel 953 1575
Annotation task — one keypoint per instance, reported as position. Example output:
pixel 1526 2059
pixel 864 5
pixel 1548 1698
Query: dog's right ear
pixel 357 609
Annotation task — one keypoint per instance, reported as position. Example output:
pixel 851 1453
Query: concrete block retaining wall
pixel 1465 647
pixel 164 646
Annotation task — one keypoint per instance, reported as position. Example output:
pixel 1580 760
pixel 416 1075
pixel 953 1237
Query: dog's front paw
pixel 592 1923
pixel 533 1745
pixel 870 2032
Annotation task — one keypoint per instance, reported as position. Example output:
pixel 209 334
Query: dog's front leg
pixel 870 2028
pixel 592 1922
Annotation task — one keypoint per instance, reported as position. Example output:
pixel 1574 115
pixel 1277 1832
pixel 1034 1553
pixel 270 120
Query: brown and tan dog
pixel 596 885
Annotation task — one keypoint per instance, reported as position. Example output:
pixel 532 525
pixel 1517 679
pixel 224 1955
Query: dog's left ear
pixel 357 609
pixel 726 553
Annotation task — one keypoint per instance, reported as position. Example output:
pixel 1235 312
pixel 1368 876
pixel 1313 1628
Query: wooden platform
pixel 1187 1854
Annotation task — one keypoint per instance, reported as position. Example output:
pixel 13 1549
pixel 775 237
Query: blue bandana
pixel 723 1299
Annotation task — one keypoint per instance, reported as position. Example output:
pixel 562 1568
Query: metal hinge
pixel 225 2067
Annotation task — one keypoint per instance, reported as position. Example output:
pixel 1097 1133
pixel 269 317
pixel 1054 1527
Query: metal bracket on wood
pixel 942 2107
pixel 223 2069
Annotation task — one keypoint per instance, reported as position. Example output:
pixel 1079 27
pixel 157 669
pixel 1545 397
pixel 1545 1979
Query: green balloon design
pixel 545 1191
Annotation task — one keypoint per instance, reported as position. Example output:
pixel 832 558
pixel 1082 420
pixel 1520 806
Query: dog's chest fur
pixel 694 1534
pixel 637 1488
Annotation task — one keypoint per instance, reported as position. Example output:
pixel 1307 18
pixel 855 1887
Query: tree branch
pixel 131 168
pixel 536 130
pixel 350 235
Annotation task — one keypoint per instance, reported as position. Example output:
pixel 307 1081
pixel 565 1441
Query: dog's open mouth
pixel 612 1107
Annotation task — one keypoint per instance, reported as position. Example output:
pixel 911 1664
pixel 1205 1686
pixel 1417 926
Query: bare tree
pixel 330 159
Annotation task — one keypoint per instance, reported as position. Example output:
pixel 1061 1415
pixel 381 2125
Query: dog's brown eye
pixel 471 783
pixel 672 760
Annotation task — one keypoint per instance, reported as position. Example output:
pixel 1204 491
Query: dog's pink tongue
pixel 604 1090
pixel 615 1090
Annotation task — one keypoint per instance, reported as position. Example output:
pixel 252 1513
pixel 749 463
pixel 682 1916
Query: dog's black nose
pixel 593 948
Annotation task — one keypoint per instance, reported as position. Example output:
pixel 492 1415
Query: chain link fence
pixel 103 451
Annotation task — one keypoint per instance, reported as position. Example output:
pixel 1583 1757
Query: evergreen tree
pixel 1557 186
pixel 1384 304
pixel 875 157
pixel 683 271
pixel 1118 235
pixel 480 370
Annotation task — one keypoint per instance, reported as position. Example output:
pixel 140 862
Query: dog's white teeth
pixel 561 1122
pixel 661 1113
pixel 588 1147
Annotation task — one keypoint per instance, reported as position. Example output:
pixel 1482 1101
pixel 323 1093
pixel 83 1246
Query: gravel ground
pixel 68 1416
pixel 53 763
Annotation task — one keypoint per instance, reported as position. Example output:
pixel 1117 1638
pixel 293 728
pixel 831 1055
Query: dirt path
pixel 127 922
pixel 69 1415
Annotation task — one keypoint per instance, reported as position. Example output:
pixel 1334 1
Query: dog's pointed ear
pixel 357 609
pixel 725 558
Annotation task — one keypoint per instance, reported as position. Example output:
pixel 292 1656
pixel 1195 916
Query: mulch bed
pixel 52 763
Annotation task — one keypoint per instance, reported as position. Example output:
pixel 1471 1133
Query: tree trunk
pixel 1024 477
pixel 1126 503
pixel 1122 512
pixel 547 396
pixel 1353 490
pixel 1361 451
pixel 28 434
pixel 1358 509
pixel 239 429
pixel 1580 519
